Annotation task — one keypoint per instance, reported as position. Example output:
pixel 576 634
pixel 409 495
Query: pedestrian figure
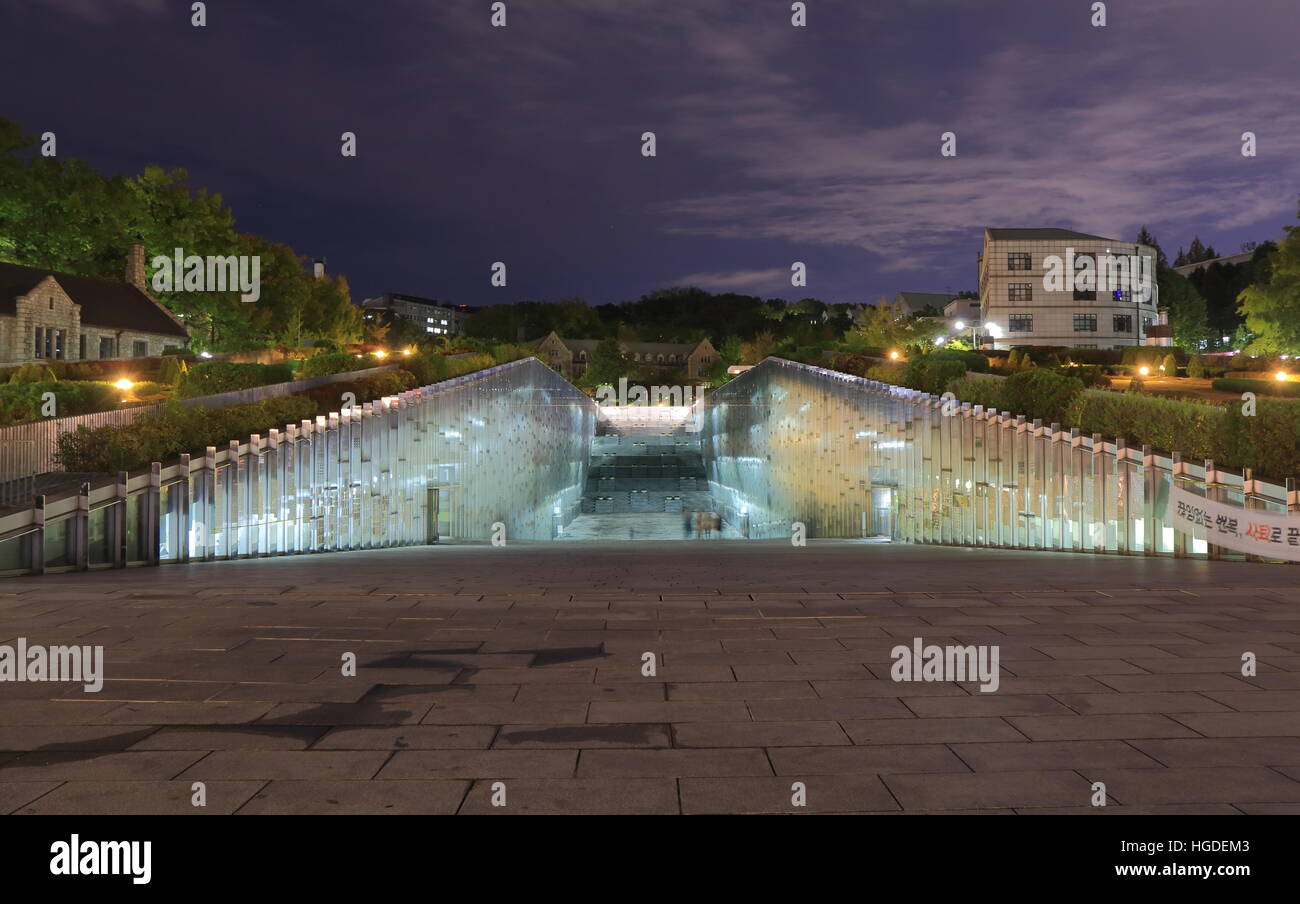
pixel 698 521
pixel 686 523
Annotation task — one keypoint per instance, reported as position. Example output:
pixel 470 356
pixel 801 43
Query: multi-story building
pixel 1033 286
pixel 46 315
pixel 433 317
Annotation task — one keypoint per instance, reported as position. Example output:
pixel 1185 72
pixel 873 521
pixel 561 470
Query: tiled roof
pixel 1045 234
pixel 104 302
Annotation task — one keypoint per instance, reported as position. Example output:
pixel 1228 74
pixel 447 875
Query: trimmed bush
pixel 212 377
pixel 172 370
pixel 1289 389
pixel 893 373
pixel 1192 428
pixel 933 373
pixel 174 430
pixel 20 402
pixel 986 391
pixel 365 389
pixel 1196 367
pixel 1268 442
pixel 332 363
pixel 1040 394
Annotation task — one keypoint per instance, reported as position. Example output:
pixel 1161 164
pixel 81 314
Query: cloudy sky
pixel 774 143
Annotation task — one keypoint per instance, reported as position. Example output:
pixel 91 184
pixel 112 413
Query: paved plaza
pixel 518 672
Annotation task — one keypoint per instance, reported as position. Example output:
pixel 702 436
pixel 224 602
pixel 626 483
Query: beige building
pixel 1023 295
pixel 571 356
pixel 50 316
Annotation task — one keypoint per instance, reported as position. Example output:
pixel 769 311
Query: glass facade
pixel 509 445
pixel 850 457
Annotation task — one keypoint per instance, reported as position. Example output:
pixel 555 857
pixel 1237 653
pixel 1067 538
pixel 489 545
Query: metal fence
pixel 851 457
pixel 17 479
pixel 498 453
pixel 37 443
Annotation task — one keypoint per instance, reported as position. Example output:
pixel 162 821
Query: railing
pixel 498 453
pixel 787 442
pixel 17 478
pixel 37 442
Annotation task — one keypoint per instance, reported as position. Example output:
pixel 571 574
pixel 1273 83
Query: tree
pixel 1187 311
pixel 1146 238
pixel 1272 305
pixel 607 364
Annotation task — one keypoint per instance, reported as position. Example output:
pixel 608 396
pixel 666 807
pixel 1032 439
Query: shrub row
pixel 1259 387
pixel 24 401
pixel 332 363
pixel 1265 441
pixel 174 430
pixel 212 377
pixel 364 389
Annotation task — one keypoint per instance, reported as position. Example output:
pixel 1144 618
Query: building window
pixel 1020 323
pixel 81 348
pixel 58 345
pixel 1019 260
pixel 139 349
pixel 40 342
pixel 1085 323
pixel 1123 323
pixel 106 347
pixel 1122 295
pixel 1020 291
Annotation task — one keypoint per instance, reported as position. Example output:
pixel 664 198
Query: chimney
pixel 318 268
pixel 135 266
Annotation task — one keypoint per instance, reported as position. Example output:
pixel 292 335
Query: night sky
pixel 775 144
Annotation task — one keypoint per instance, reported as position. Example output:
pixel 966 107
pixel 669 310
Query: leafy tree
pixel 1272 305
pixel 1187 311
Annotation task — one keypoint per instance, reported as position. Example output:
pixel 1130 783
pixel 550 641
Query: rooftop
pixel 104 302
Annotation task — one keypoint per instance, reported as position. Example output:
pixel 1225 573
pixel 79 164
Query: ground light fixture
pixel 124 384
pixel 1144 370
pixel 893 356
pixel 379 353
pixel 1281 376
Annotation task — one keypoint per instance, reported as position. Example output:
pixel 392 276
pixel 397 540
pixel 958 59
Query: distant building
pixel 432 316
pixel 1014 294
pixel 571 356
pixel 916 302
pixel 46 315
pixel 1243 257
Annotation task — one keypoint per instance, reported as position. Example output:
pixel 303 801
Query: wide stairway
pixel 645 469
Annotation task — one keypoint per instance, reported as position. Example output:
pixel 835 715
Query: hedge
pixel 1259 387
pixel 364 389
pixel 174 430
pixel 212 377
pixel 21 402
pixel 332 363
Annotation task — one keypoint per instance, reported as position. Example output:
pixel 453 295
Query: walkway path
pixel 523 665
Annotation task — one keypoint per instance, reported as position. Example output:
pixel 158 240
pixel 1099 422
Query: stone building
pixel 50 316
pixel 571 356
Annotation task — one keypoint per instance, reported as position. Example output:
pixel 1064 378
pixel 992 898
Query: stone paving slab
pixel 773 679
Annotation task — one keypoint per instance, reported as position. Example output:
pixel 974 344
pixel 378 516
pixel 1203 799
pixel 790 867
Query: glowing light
pixel 960 324
pixel 406 352
pixel 1281 376
pixel 1144 370
pixel 205 354
pixel 893 356
pixel 124 384
pixel 379 353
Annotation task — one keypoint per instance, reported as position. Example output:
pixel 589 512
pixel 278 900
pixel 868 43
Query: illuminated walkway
pixel 523 665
